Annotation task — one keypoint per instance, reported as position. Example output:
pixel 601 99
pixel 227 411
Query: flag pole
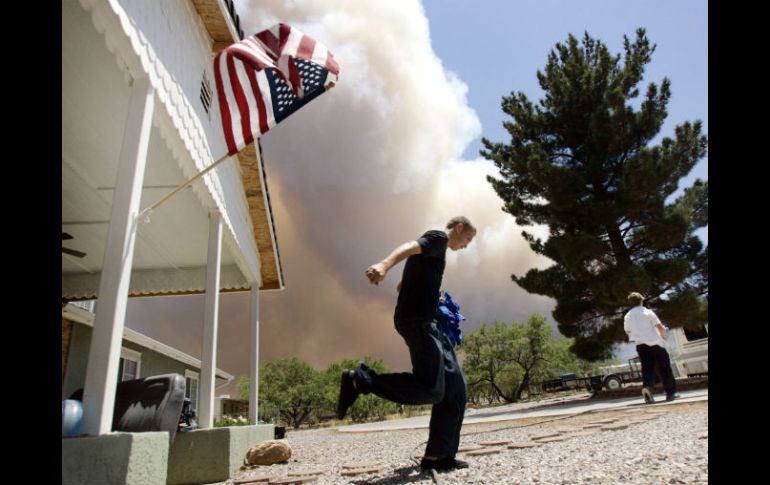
pixel 181 187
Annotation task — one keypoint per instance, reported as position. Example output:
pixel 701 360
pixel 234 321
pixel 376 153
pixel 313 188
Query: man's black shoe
pixel 348 393
pixel 443 464
pixel 671 397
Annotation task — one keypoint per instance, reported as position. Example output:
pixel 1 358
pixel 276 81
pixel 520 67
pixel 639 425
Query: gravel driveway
pixel 660 445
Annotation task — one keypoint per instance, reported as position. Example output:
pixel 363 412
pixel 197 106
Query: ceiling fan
pixel 71 252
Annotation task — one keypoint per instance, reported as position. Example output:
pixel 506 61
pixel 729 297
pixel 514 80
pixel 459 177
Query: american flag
pixel 264 78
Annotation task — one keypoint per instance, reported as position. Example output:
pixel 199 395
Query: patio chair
pixel 147 404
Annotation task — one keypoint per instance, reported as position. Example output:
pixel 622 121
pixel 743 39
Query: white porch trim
pixel 101 374
pixel 210 322
pixel 254 363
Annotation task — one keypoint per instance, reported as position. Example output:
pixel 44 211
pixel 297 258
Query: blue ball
pixel 71 415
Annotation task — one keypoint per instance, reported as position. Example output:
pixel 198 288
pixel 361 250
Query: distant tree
pixel 563 360
pixel 579 163
pixel 507 358
pixel 243 387
pixel 289 386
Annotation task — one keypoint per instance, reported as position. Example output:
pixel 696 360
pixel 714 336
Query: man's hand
pixel 662 331
pixel 376 273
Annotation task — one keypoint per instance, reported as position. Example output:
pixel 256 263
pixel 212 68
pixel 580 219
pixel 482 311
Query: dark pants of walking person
pixel 652 356
pixel 436 378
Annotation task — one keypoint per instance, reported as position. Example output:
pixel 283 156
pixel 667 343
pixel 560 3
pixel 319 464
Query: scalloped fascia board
pixel 269 209
pixel 228 20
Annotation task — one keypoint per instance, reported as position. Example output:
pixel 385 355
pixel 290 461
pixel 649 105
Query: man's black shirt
pixel 421 281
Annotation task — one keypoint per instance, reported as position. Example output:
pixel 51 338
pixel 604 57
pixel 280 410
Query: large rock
pixel 268 453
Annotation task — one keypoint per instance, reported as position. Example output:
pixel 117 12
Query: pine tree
pixel 580 162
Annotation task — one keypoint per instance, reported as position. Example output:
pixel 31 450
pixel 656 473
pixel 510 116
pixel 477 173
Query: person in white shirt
pixel 644 327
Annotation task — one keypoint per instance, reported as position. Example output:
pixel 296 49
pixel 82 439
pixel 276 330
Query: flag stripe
pixel 290 43
pixel 241 139
pixel 286 65
pixel 249 95
pixel 332 66
pixel 284 31
pixel 264 87
pixel 235 114
pixel 306 47
pixel 262 112
pixel 319 54
pixel 252 52
pixel 224 106
pixel 270 42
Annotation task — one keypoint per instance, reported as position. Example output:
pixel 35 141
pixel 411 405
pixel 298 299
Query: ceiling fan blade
pixel 65 236
pixel 72 252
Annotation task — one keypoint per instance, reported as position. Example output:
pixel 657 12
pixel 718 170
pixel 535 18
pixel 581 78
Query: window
pixel 88 305
pixel 191 388
pixel 130 362
pixel 697 334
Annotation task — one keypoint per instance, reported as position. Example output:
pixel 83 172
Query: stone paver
pixel 553 439
pixel 258 479
pixel 362 464
pixel 542 436
pixel 314 471
pixel 359 471
pixel 294 480
pixel 484 451
pixel 469 448
pixel 613 427
pixel 522 444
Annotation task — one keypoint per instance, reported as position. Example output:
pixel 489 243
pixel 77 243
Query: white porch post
pixel 104 353
pixel 254 364
pixel 211 318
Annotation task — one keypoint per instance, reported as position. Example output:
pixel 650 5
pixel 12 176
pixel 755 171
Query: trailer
pixel 611 378
pixel 689 352
pixel 571 381
pixel 614 377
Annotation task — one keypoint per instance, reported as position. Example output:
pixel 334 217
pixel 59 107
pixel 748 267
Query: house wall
pixel 234 406
pixel 77 360
pixel 66 334
pixel 152 363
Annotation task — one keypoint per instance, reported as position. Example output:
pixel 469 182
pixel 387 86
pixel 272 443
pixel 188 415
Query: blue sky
pixel 497 46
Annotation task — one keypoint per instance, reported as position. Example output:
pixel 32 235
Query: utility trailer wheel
pixel 613 382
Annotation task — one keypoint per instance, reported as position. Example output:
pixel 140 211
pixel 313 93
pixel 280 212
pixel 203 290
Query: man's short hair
pixel 635 298
pixel 460 220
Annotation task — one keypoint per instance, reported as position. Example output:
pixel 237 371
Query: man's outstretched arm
pixel 377 272
pixel 659 327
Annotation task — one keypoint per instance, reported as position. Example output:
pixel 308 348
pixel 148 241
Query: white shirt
pixel 639 323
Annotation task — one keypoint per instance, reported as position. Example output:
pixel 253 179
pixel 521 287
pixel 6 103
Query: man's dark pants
pixel 652 356
pixel 436 378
